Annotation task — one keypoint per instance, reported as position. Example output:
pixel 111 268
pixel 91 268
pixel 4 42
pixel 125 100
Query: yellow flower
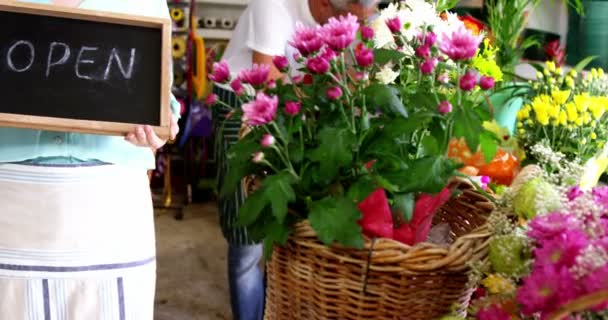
pixel 600 73
pixel 551 80
pixel 593 73
pixel 542 117
pixel 569 82
pixel 598 106
pixel 539 75
pixel 559 71
pixel 579 121
pixel 529 122
pixel 496 284
pixel 586 117
pixel 521 131
pixel 546 73
pixel 563 118
pixel 485 62
pixel 582 102
pixel 560 97
pixel 551 66
pixel 571 111
pixel 573 73
pixel 593 136
pixel 520 125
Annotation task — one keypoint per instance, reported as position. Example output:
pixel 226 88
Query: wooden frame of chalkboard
pixel 156 111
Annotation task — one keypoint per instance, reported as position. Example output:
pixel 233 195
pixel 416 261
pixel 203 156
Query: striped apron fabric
pixel 76 243
pixel 227 135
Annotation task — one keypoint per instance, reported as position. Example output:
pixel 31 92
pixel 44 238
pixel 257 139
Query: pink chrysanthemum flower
pixel 221 72
pixel 461 44
pixel 550 225
pixel 562 249
pixel 256 76
pixel 493 312
pixel 340 32
pixel 307 40
pixel 260 111
pixel 545 289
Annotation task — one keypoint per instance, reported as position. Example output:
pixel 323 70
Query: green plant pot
pixel 588 35
pixel 506 107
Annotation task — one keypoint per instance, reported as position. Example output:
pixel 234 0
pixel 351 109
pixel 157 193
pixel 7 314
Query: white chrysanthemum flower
pixel 389 12
pixel 387 75
pixel 383 37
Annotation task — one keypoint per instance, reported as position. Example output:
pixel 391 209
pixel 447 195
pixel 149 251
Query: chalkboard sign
pixel 81 70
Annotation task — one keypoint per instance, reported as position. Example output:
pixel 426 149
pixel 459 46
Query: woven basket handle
pixel 579 305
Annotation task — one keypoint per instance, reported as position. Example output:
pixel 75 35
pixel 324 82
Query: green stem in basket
pixel 458 75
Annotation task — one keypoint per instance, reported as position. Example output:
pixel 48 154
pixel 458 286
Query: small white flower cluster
pixel 563 172
pixel 591 259
pixel 589 212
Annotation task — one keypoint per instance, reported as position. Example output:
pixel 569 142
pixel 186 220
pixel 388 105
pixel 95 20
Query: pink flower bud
pixel 211 99
pixel 267 141
pixel 367 33
pixel 334 93
pixel 281 63
pixel 292 108
pixel 428 66
pixel 430 39
pixel 444 107
pixel 364 56
pixel 361 76
pixel 423 51
pixel 328 54
pixel 394 24
pixel 486 83
pixel 258 157
pixel 468 81
pixel 237 87
pixel 272 84
pixel 443 78
pixel 318 65
pixel 297 79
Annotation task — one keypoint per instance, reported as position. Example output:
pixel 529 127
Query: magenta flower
pixel 367 33
pixel 292 108
pixel 334 93
pixel 260 111
pixel 258 157
pixel 255 76
pixel 340 32
pixel 394 24
pixel 307 40
pixel 267 141
pixel 468 81
pixel 221 73
pixel 461 44
pixel 548 226
pixel 428 66
pixel 430 39
pixel 211 99
pixel 328 54
pixel 318 65
pixel 493 312
pixel 281 63
pixel 486 83
pixel 596 281
pixel 561 250
pixel 600 194
pixel 364 56
pixel 272 84
pixel 237 87
pixel 423 51
pixel 545 289
pixel 444 107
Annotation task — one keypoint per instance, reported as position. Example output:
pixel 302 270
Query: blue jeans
pixel 246 282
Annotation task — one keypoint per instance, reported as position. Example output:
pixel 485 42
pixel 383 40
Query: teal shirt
pixel 19 145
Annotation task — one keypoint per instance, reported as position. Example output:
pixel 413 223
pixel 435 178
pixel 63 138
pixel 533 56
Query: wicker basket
pixel 387 279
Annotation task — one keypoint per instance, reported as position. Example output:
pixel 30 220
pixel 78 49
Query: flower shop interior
pixel 446 162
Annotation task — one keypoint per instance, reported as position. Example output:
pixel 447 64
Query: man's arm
pixel 261 58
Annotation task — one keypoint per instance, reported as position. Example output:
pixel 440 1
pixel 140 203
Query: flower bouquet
pixel 353 173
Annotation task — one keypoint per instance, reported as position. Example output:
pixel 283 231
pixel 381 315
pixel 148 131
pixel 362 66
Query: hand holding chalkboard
pixel 79 70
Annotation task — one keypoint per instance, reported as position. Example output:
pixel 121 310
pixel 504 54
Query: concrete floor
pixel 191 277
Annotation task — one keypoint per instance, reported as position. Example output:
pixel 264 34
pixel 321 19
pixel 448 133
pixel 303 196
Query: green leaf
pixel 430 146
pixel 583 63
pixel 335 220
pixel 278 191
pixel 468 125
pixel 362 188
pixel 276 234
pixel 334 151
pixel 385 97
pixel 429 174
pixel 404 205
pixel 239 163
pixel 252 207
pixel 384 56
pixel 489 145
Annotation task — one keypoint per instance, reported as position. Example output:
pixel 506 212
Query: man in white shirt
pixel 263 31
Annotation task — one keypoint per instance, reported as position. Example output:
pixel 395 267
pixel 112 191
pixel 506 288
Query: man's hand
pixel 144 136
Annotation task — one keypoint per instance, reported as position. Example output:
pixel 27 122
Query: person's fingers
pixel 153 140
pixel 174 128
pixel 140 135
